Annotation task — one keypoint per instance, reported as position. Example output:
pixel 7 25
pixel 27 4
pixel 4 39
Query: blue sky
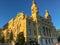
pixel 9 9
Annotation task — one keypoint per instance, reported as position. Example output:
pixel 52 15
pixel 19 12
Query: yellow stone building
pixel 34 27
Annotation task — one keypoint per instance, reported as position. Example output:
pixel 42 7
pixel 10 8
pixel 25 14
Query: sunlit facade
pixel 34 27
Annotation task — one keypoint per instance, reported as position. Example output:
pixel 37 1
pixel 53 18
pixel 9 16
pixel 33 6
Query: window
pixel 47 31
pixel 44 30
pixel 29 23
pixel 34 24
pixel 41 42
pixel 46 41
pixel 29 39
pixel 39 31
pixel 38 21
pixel 49 40
pixel 29 31
pixel 34 32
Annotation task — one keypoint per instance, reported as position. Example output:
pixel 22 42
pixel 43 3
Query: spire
pixel 47 11
pixel 34 7
pixel 47 15
pixel 34 10
pixel 33 1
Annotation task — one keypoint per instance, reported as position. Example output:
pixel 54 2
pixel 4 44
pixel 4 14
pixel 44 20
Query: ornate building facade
pixel 58 33
pixel 34 27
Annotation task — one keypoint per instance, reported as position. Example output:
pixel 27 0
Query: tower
pixel 34 10
pixel 47 15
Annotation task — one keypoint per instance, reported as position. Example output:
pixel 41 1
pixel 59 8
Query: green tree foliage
pixel 0 29
pixel 2 38
pixel 9 37
pixel 20 39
